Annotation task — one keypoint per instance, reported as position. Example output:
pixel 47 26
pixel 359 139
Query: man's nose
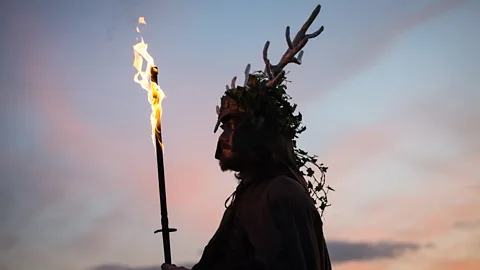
pixel 218 151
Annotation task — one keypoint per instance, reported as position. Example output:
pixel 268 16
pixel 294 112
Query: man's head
pixel 252 141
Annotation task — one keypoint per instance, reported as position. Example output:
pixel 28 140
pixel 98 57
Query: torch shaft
pixel 165 230
pixel 163 198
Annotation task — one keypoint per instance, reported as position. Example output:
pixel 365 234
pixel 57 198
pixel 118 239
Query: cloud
pixel 340 252
pixel 467 225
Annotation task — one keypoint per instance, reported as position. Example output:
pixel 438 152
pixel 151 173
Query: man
pixel 272 221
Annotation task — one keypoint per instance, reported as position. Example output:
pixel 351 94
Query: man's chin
pixel 228 165
pixel 223 167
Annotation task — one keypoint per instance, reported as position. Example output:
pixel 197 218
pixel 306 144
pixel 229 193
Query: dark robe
pixel 272 225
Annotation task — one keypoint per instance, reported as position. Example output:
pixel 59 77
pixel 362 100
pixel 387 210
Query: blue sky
pixel 389 93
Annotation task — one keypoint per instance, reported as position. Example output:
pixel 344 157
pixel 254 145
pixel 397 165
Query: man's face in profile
pixel 228 159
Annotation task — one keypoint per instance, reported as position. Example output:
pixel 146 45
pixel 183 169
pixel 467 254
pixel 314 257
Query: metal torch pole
pixel 165 230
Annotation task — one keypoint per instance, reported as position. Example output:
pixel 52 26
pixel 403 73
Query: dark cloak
pixel 272 224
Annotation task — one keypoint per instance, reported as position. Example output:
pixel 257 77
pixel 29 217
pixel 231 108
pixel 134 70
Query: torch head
pixel 154 74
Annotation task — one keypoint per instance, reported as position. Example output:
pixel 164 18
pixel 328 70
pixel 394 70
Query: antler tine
pixel 268 65
pixel 294 47
pixel 232 85
pixel 299 57
pixel 287 36
pixel 316 33
pixel 247 72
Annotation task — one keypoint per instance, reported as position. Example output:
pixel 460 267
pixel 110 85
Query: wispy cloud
pixel 349 251
pixel 467 225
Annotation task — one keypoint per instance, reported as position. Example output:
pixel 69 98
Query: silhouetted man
pixel 272 221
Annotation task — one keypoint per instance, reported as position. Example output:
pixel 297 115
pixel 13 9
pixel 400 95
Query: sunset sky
pixel 390 94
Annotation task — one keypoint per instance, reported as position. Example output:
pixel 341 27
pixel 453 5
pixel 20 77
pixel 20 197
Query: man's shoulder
pixel 285 188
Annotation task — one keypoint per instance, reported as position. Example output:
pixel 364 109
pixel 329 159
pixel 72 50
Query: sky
pixel 389 93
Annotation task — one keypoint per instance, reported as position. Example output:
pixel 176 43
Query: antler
pixel 275 72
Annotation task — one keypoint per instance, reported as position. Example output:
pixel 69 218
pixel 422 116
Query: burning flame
pixel 142 77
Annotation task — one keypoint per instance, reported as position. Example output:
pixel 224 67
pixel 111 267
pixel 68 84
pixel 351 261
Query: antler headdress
pixel 263 96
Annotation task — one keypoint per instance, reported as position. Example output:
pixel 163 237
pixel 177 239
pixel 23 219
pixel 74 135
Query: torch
pixel 155 97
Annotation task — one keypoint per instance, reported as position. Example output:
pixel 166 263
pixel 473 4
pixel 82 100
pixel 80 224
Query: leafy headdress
pixel 263 96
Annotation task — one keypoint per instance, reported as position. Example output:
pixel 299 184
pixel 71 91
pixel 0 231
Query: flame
pixel 142 77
